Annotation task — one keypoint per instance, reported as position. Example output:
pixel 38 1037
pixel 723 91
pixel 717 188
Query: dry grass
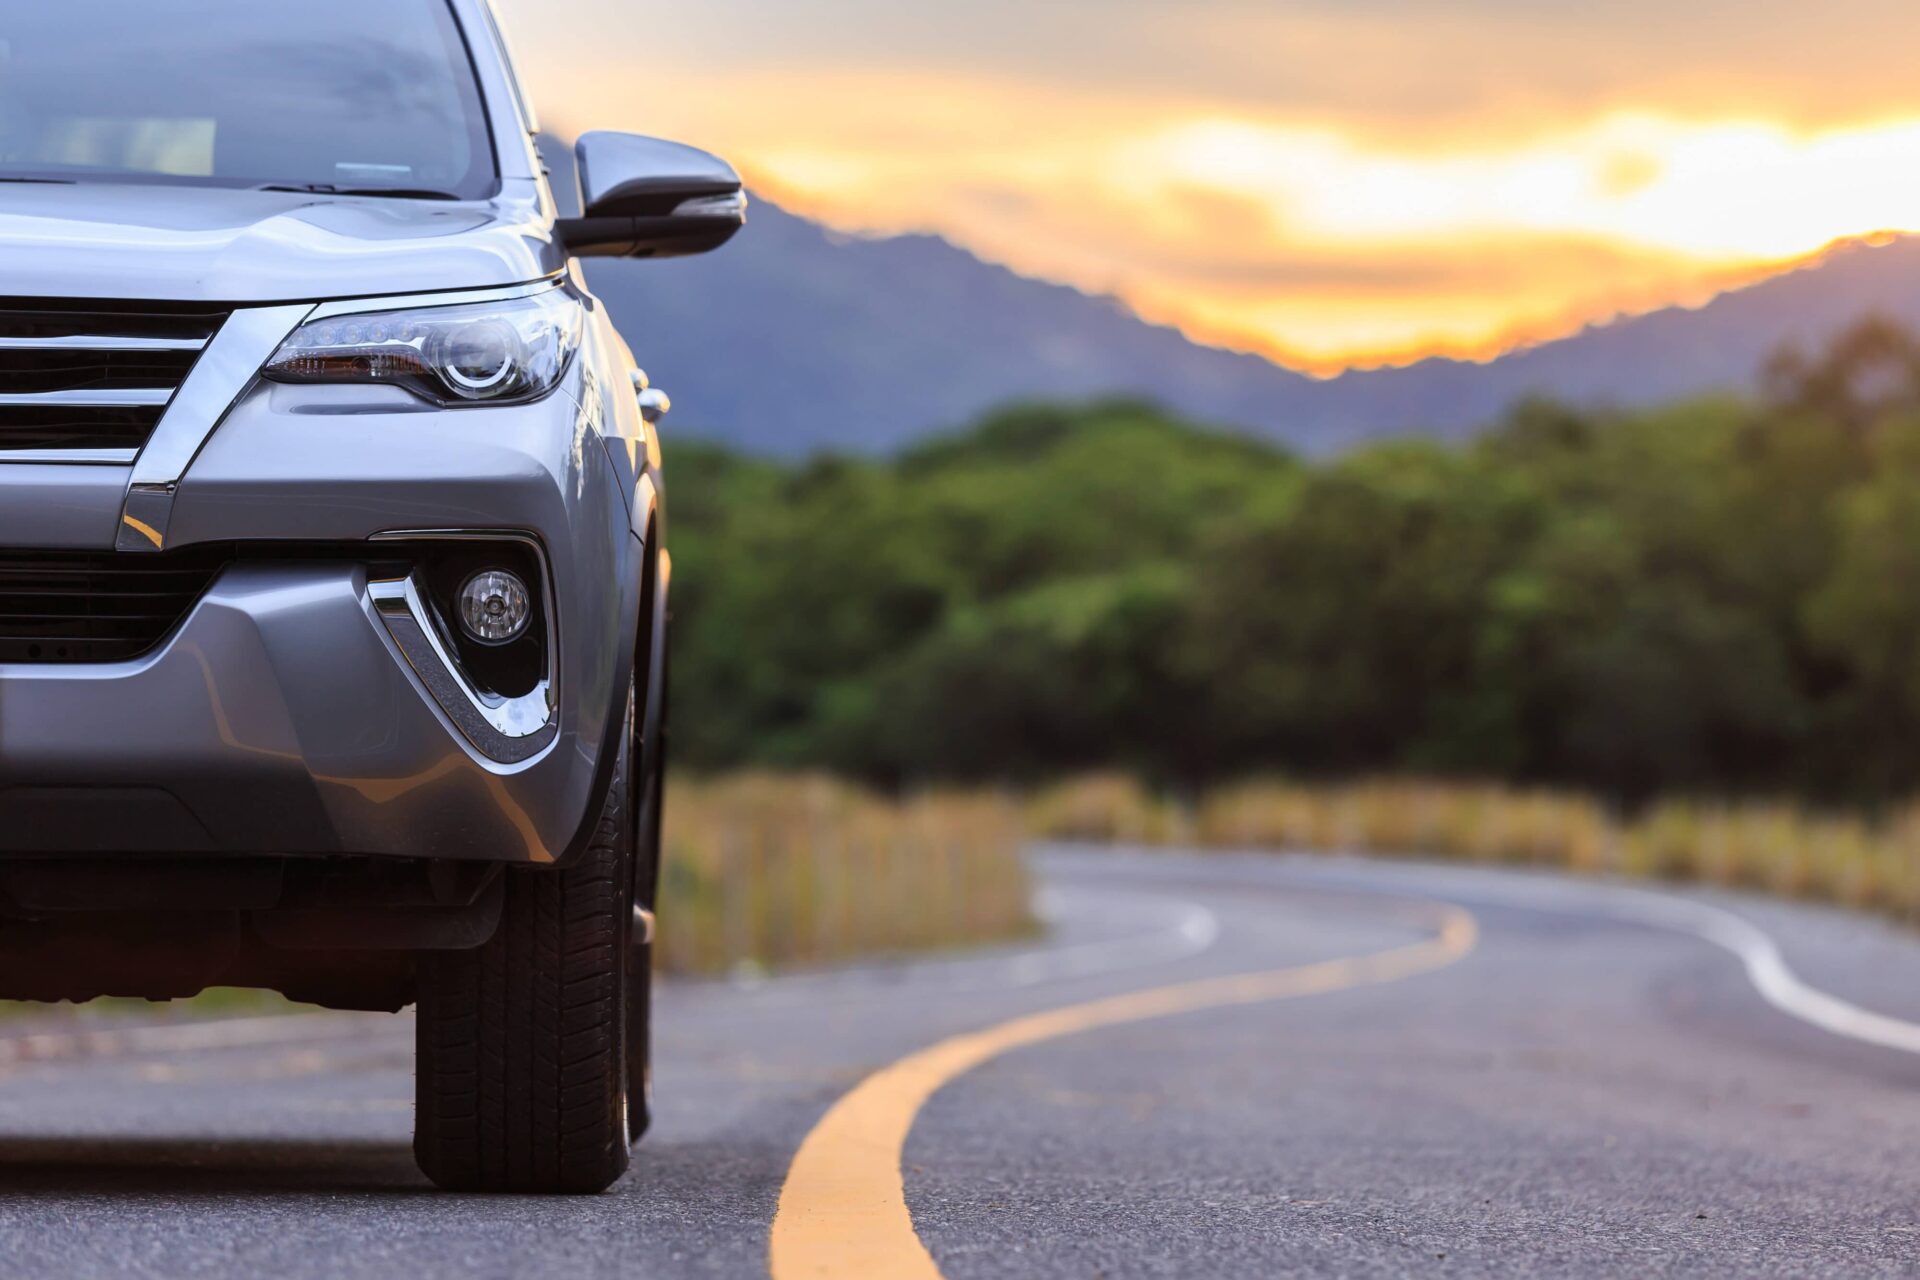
pixel 765 870
pixel 1771 847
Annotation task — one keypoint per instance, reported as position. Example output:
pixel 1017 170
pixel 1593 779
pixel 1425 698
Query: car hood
pixel 100 240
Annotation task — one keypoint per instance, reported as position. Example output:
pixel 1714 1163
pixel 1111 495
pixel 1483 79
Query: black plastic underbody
pixel 339 932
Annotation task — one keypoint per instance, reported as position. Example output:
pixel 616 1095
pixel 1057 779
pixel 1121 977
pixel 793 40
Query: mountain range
pixel 797 339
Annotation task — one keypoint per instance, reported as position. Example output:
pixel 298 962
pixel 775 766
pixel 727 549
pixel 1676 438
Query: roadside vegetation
pixel 1775 848
pixel 1718 598
pixel 770 871
pixel 1567 622
pixel 765 871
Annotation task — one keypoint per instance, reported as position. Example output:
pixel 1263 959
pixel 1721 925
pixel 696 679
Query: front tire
pixel 521 1045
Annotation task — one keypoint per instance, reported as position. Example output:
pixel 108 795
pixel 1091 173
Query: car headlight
pixel 476 353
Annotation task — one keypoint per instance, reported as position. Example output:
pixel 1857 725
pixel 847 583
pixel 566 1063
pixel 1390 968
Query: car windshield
pixel 345 95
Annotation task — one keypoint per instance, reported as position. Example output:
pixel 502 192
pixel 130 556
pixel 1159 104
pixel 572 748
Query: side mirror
pixel 649 198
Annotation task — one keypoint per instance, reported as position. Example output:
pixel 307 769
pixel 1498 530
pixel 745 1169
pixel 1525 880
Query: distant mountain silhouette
pixel 796 339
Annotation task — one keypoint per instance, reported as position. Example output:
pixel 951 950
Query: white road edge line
pixel 1768 970
pixel 1759 955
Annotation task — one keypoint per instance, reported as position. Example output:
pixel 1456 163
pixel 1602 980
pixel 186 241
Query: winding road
pixel 1216 1065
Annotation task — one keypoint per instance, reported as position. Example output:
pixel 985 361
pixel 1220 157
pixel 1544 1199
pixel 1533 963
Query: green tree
pixel 1712 597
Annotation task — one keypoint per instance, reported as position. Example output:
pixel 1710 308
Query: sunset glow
pixel 1354 229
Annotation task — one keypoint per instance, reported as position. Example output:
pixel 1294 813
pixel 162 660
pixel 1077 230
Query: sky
pixel 1329 182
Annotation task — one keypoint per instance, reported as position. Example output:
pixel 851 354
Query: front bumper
pixel 282 717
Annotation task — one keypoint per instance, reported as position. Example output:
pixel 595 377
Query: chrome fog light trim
pixel 508 730
pixel 505 730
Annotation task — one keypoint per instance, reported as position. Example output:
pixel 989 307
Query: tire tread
pixel 520 1077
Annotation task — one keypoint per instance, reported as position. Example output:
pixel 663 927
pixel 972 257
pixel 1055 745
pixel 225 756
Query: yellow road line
pixel 843 1210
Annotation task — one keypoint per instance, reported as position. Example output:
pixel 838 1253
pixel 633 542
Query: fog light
pixel 495 607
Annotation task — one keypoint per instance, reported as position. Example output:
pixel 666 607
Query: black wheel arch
pixel 643 591
pixel 651 646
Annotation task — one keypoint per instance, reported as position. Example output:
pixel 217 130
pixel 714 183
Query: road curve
pixel 1220 1065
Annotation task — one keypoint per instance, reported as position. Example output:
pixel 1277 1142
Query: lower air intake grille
pixel 63 606
pixel 93 375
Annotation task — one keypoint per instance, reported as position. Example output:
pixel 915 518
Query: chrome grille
pixel 88 380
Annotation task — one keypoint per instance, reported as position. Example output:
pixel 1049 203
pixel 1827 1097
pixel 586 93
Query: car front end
pixel 332 577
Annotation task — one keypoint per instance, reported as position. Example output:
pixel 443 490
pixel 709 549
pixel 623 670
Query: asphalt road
pixel 1553 1087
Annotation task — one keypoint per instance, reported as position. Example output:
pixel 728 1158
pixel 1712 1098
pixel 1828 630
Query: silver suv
pixel 333 599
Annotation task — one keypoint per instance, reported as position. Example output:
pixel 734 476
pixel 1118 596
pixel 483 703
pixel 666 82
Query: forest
pixel 1719 598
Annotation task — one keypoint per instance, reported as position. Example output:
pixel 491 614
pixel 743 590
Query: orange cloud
pixel 1417 188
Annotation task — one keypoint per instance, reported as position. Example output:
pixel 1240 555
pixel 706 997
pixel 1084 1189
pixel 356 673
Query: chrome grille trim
pixel 86 380
pixel 98 398
pixel 226 369
pixel 100 342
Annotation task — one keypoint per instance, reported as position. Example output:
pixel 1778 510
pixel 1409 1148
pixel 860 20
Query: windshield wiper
pixel 328 189
pixel 21 177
